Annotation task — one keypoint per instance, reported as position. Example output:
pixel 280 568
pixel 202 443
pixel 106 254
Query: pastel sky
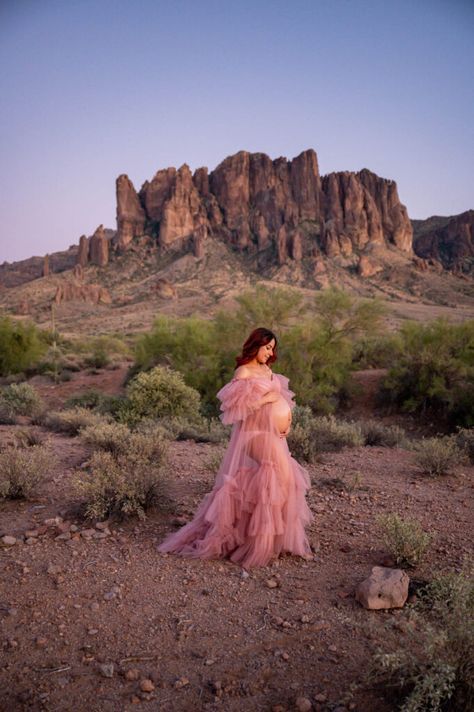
pixel 90 89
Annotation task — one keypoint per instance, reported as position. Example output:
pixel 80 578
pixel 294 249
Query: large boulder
pixel 384 588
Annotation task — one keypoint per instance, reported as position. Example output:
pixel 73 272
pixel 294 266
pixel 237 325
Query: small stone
pixel 146 685
pixel 132 675
pixel 209 661
pixel 65 536
pixel 100 535
pixel 41 642
pixel 278 708
pixel 285 656
pixel 245 574
pixel 53 569
pixel 321 697
pixel 102 526
pixel 107 669
pixel 95 606
pixel 8 540
pixel 303 704
pixel 92 631
pixel 73 528
pixel 135 700
pixel 305 618
pixel 31 533
pixel 52 522
pixel 181 682
pixel 271 583
pixel 31 540
pixel 333 648
pixel 87 533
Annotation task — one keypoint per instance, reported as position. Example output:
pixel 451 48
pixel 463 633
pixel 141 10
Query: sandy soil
pixel 87 618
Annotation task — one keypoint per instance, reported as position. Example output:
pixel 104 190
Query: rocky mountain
pixel 448 240
pixel 276 211
pixel 186 242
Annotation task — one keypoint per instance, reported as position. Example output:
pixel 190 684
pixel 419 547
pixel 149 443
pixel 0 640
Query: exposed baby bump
pixel 281 414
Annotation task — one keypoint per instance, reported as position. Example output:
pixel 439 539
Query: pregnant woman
pixel 257 508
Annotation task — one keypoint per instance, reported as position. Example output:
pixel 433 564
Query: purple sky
pixel 94 88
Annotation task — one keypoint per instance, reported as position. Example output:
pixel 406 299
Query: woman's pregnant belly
pixel 281 414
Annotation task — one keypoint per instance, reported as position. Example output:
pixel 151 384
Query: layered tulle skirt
pixel 256 510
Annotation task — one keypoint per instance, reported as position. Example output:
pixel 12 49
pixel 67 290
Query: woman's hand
pixel 285 432
pixel 270 397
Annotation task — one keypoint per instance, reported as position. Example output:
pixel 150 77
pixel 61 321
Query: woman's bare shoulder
pixel 242 372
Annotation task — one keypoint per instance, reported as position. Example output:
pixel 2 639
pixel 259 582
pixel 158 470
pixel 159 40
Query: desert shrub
pixel 72 421
pixel 99 358
pixel 433 373
pixel 187 345
pixel 317 353
pixel 214 461
pixel 21 346
pixel 124 483
pixel 375 433
pixel 90 399
pixel 19 399
pixel 27 437
pixel 159 393
pixel 309 436
pixel 465 440
pixel 21 469
pixel 112 437
pixel 376 351
pixel 331 435
pixel 434 670
pixel 437 456
pixel 300 441
pixel 206 431
pixel 405 539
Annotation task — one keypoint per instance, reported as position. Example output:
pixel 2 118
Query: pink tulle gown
pixel 257 508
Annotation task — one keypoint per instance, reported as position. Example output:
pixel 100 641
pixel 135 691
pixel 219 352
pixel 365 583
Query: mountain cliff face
pixel 282 217
pixel 449 241
pixel 277 210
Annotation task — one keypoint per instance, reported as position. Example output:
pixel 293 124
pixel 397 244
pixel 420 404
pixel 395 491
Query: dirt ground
pixel 98 620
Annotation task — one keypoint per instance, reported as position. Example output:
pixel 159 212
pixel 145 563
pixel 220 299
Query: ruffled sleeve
pixel 239 398
pixel 284 389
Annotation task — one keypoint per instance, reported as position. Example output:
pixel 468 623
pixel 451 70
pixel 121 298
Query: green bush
pixel 21 469
pixel 437 456
pixel 433 670
pixel 187 345
pixel 375 433
pixel 21 346
pixel 376 351
pixel 19 399
pixel 317 353
pixel 159 393
pixel 309 436
pixel 433 374
pixel 315 343
pixel 465 440
pixel 112 437
pixel 72 421
pixel 404 538
pixel 124 483
pixel 90 399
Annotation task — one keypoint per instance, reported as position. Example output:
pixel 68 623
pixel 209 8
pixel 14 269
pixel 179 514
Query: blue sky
pixel 91 89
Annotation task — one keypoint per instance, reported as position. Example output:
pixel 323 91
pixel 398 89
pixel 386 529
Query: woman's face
pixel 265 351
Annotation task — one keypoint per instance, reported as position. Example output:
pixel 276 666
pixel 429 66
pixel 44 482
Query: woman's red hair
pixel 259 337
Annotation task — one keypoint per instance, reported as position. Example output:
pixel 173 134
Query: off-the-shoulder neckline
pixel 256 378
